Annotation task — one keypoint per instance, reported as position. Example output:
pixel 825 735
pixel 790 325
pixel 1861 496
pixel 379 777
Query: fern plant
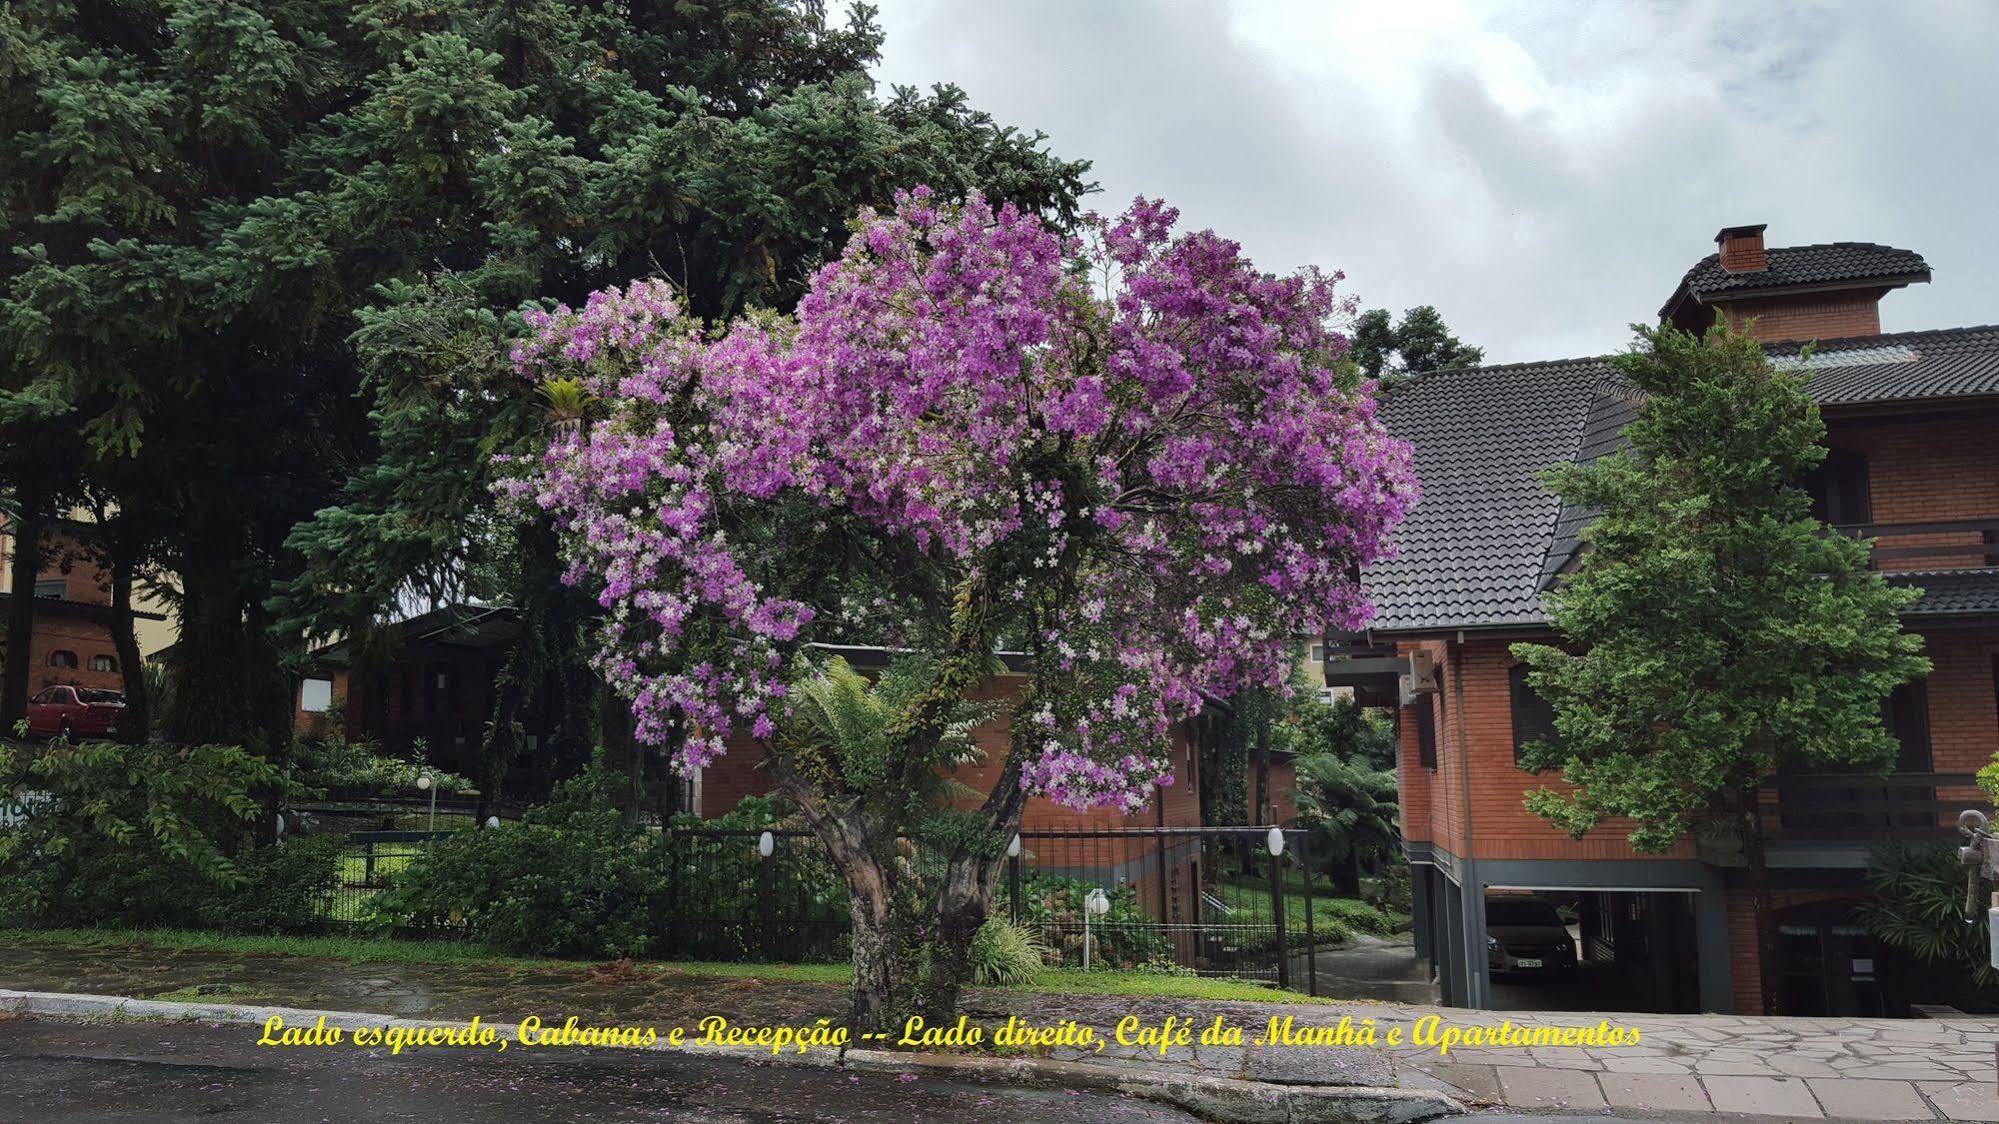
pixel 1918 907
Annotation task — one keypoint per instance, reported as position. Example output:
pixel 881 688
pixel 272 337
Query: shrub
pixel 1918 907
pixel 1005 954
pixel 1125 937
pixel 568 879
pixel 284 890
pixel 153 835
pixel 332 763
pixel 527 888
pixel 1356 915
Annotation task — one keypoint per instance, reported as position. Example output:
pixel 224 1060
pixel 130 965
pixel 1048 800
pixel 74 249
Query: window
pixel 315 696
pixel 56 588
pixel 1426 734
pixel 1907 716
pixel 1838 487
pixel 1318 653
pixel 1533 716
pixel 103 663
pixel 63 657
pixel 53 695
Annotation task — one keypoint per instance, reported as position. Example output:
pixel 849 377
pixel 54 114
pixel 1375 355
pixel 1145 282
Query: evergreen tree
pixel 245 239
pixel 1383 349
pixel 1714 631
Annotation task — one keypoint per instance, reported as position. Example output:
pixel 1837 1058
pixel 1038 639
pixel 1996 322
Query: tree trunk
pixel 210 703
pixel 879 999
pixel 503 733
pixel 1759 879
pixel 961 905
pixel 964 899
pixel 25 566
pixel 881 929
pixel 135 725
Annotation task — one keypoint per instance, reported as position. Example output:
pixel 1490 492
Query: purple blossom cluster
pixel 1139 443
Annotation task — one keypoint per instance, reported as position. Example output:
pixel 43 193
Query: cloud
pixel 1542 174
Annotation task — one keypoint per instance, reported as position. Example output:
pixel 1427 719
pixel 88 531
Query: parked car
pixel 75 712
pixel 1527 934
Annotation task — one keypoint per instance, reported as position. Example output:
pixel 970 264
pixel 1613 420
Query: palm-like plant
pixel 566 400
pixel 1918 907
pixel 1351 810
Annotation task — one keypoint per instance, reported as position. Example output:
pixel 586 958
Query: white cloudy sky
pixel 1541 172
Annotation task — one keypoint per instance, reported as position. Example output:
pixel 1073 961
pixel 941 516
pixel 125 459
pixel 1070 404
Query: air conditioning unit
pixel 1424 671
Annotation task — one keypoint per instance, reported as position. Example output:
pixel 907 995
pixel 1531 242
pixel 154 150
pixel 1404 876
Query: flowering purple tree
pixel 1128 455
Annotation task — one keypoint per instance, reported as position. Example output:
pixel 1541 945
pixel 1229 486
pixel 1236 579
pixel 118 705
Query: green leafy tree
pixel 1352 812
pixel 1340 728
pixel 244 239
pixel 1715 631
pixel 1421 341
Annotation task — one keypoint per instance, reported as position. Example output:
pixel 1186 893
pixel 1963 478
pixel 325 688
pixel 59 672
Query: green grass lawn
pixel 1333 918
pixel 360 949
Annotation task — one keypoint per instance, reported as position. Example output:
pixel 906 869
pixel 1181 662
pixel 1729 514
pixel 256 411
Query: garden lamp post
pixel 1013 877
pixel 1095 904
pixel 424 783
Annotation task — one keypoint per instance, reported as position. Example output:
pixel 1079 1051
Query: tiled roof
pixel 1907 366
pixel 1949 593
pixel 1789 267
pixel 1471 551
pixel 1488 538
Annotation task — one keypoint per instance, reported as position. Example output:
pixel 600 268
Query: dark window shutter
pixel 1907 716
pixel 1533 716
pixel 1839 491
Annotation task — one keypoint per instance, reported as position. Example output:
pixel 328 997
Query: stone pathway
pixel 1793 1068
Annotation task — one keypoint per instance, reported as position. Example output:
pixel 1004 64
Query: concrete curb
pixel 1224 1099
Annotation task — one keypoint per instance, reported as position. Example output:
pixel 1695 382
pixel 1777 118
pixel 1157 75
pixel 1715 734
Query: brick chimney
pixel 1742 248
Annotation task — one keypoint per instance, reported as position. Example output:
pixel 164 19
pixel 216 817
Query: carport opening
pixel 1592 950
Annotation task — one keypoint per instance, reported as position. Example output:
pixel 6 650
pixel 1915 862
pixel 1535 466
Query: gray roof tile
pixel 1829 263
pixel 1488 538
pixel 1949 593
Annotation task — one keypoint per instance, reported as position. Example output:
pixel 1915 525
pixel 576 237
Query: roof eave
pixel 1884 282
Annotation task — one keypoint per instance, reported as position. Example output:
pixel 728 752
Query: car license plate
pixel 1523 962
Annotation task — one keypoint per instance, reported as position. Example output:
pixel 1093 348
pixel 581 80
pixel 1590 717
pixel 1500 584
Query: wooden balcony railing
pixel 1850 807
pixel 1959 544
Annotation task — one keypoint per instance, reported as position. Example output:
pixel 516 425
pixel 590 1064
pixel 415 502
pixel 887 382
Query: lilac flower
pixel 1138 440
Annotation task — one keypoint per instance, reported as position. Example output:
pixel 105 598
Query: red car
pixel 75 712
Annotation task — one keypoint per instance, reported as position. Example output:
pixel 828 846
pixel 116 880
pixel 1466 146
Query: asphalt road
pixel 69 1072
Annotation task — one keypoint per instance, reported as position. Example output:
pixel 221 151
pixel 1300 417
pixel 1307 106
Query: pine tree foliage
pixel 1714 631
pixel 255 245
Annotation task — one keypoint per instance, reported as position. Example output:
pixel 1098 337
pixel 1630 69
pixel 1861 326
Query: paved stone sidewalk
pixel 1791 1068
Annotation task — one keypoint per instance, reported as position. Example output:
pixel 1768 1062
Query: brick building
pixel 434 684
pixel 72 641
pixel 1913 429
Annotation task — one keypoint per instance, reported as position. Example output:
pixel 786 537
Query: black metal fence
pixel 1211 900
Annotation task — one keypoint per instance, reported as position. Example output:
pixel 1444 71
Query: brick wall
pixel 1809 316
pixel 1475 757
pixel 84 582
pixel 88 640
pixel 1926 470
